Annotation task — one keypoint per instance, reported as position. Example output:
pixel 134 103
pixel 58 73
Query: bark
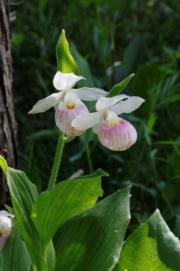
pixel 7 117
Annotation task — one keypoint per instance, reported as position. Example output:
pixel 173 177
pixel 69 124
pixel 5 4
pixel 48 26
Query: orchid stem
pixel 34 268
pixel 57 161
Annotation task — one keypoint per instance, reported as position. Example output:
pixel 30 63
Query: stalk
pixel 34 267
pixel 57 161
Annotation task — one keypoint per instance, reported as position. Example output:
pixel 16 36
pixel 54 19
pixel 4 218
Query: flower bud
pixel 66 112
pixel 5 227
pixel 115 133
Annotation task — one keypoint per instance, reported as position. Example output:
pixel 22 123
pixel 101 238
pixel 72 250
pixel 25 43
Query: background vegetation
pixel 110 39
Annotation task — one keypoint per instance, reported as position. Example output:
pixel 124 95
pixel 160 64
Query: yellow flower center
pixel 111 119
pixel 113 122
pixel 70 105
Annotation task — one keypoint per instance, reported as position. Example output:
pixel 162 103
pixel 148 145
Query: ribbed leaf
pixel 67 199
pixel 65 60
pixel 118 88
pixel 23 195
pixel 14 256
pixel 92 241
pixel 151 247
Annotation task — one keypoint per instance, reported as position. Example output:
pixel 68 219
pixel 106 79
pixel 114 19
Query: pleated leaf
pixel 92 241
pixel 67 199
pixel 14 256
pixel 151 247
pixel 23 195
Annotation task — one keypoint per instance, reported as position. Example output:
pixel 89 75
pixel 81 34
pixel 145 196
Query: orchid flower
pixel 113 132
pixel 67 101
pixel 5 227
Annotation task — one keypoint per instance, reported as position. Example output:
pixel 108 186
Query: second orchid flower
pixel 113 132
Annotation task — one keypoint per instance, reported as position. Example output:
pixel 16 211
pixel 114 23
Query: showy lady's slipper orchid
pixel 113 132
pixel 66 111
pixel 67 101
pixel 5 227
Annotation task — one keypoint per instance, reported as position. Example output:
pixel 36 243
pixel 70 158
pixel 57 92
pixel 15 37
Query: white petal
pixel 127 106
pixel 111 117
pixel 45 104
pixel 89 94
pixel 71 97
pixel 105 103
pixel 86 121
pixel 95 128
pixel 65 81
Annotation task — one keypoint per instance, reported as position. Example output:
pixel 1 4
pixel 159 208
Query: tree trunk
pixel 7 118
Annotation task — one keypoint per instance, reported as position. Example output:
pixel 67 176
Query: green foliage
pixel 118 88
pixel 158 47
pixel 15 256
pixel 66 199
pixel 92 241
pixel 104 30
pixel 48 211
pixel 151 247
pixel 23 195
pixel 115 40
pixel 85 233
pixel 83 68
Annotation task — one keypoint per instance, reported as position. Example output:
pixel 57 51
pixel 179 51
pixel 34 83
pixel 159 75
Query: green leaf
pixel 133 54
pixel 151 247
pixel 83 68
pixel 118 88
pixel 23 195
pixel 67 199
pixel 14 255
pixel 168 142
pixel 65 61
pixel 170 99
pixel 98 173
pixel 177 226
pixel 92 241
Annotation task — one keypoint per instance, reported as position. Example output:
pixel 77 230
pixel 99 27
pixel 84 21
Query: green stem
pixel 57 161
pixel 34 268
pixel 44 259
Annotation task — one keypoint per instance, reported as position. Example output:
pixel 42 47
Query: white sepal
pixel 46 103
pixel 127 106
pixel 65 81
pixel 105 103
pixel 89 94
